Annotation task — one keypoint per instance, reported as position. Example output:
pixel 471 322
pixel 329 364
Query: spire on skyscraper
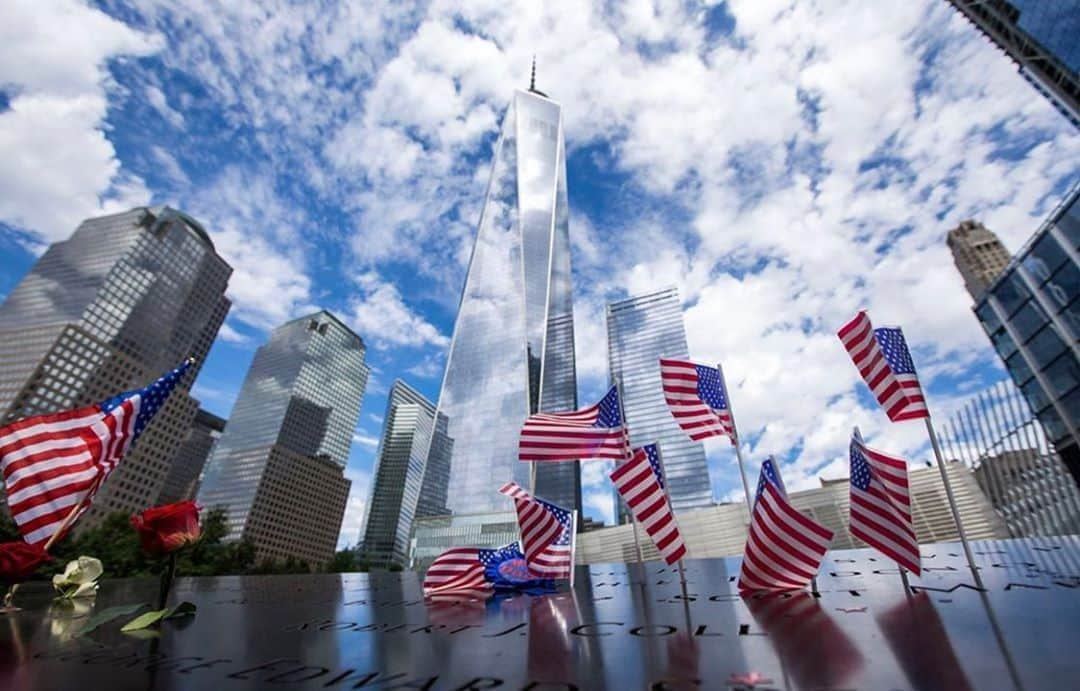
pixel 532 81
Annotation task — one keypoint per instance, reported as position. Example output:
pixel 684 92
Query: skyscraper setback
pixel 641 330
pixel 512 353
pixel 278 467
pixel 124 299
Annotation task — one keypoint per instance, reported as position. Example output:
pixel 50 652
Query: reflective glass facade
pixel 640 331
pixel 1032 316
pixel 301 397
pixel 512 352
pixel 398 476
pixel 125 298
pixel 1055 24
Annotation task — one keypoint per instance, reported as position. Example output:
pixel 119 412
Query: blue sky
pixel 783 163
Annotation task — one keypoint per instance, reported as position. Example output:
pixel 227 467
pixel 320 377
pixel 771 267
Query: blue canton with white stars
pixel 508 571
pixel 895 350
pixel 151 398
pixel 860 469
pixel 608 414
pixel 489 557
pixel 710 387
pixel 769 474
pixel 563 517
pixel 653 455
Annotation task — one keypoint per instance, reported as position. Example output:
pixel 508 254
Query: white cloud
pixel 58 166
pixel 380 315
pixel 356 508
pixel 365 440
pixel 156 98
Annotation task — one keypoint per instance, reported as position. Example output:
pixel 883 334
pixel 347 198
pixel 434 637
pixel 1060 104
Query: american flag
pixel 883 360
pixel 56 462
pixel 881 505
pixel 784 548
pixel 457 571
pixel 595 432
pixel 547 531
pixel 696 396
pixel 640 482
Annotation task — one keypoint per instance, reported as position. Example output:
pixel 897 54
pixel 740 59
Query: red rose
pixel 19 561
pixel 164 529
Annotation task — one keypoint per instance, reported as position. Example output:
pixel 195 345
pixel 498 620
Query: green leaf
pixel 183 609
pixel 145 619
pixel 105 616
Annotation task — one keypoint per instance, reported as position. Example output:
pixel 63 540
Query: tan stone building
pixel 979 255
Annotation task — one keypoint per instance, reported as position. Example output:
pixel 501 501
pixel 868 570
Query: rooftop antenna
pixel 532 80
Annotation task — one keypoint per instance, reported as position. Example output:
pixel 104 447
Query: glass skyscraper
pixel 124 299
pixel 278 467
pixel 641 330
pixel 512 352
pixel 398 477
pixel 1032 315
pixel 1041 38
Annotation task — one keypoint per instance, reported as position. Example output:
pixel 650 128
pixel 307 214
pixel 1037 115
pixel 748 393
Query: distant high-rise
pixel 641 330
pixel 979 255
pixel 1032 315
pixel 399 474
pixel 512 353
pixel 1040 37
pixel 124 299
pixel 278 467
pixel 182 480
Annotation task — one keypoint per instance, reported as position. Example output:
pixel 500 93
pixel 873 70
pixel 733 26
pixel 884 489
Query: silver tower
pixel 513 348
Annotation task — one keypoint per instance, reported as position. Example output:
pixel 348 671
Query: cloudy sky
pixel 783 163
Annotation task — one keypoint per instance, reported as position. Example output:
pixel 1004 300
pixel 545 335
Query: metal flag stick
pixel 903 572
pixel 667 496
pixel 573 546
pixel 626 457
pixel 737 442
pixel 952 499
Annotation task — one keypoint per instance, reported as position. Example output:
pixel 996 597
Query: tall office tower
pixel 979 255
pixel 124 299
pixel 182 480
pixel 640 331
pixel 399 476
pixel 1032 315
pixel 512 352
pixel 278 469
pixel 1040 37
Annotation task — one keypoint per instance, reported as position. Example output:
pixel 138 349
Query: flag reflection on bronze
pixel 918 639
pixel 551 651
pixel 452 610
pixel 815 652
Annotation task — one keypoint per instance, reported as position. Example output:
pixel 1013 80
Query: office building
pixel 979 255
pixel 641 330
pixel 720 531
pixel 1040 37
pixel 398 476
pixel 512 352
pixel 1032 315
pixel 182 480
pixel 278 467
pixel 126 298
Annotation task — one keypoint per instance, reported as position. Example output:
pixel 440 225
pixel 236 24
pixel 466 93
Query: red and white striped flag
pixel 696 397
pixel 639 482
pixel 457 572
pixel 883 360
pixel 595 432
pixel 547 533
pixel 881 505
pixel 56 462
pixel 784 548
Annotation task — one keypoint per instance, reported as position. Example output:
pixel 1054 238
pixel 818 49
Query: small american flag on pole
pixel 640 483
pixel 457 571
pixel 784 548
pixel 881 505
pixel 546 533
pixel 54 464
pixel 697 399
pixel 595 432
pixel 883 360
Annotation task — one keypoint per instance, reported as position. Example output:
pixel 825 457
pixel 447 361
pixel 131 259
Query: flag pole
pixel 737 442
pixel 952 499
pixel 667 496
pixel 903 572
pixel 573 546
pixel 626 457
